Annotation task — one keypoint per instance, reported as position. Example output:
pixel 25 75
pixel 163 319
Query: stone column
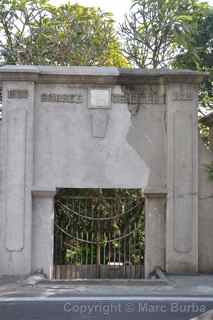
pixel 155 231
pixel 16 177
pixel 182 178
pixel 43 232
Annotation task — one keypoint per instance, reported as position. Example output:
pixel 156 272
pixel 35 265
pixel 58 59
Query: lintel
pixel 97 75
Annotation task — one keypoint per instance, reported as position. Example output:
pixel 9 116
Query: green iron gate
pixel 99 235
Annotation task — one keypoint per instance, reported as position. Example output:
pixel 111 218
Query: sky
pixel 117 7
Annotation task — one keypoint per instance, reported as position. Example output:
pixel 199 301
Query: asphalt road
pixel 147 308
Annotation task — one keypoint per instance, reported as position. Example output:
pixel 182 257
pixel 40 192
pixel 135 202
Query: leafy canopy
pixel 198 55
pixel 156 31
pixel 35 32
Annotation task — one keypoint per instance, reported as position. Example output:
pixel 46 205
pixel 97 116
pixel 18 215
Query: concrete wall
pixel 182 179
pixel 16 178
pixel 68 155
pixel 205 210
pixel 98 127
pixel 155 235
pixel 42 232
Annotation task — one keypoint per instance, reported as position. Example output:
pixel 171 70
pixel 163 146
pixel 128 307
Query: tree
pixel 35 32
pixel 198 55
pixel 20 24
pixel 156 31
pixel 97 226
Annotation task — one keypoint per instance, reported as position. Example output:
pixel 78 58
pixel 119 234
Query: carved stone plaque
pixel 99 98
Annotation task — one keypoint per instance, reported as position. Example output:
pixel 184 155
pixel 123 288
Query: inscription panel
pixel 138 98
pixel 17 94
pixel 99 98
pixel 119 98
pixel 183 93
pixel 62 98
pixel 144 95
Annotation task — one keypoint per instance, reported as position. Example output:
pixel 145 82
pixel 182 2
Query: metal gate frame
pixel 99 236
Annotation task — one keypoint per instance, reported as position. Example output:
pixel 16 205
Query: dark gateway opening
pixel 99 234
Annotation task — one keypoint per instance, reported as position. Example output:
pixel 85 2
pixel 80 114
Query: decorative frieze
pixel 136 97
pixel 119 99
pixel 183 92
pixel 145 95
pixel 62 98
pixel 17 94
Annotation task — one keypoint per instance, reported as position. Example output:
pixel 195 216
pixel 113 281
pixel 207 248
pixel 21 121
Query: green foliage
pixel 35 32
pixel 209 168
pixel 20 24
pixel 204 132
pixel 198 55
pixel 197 52
pixel 108 235
pixel 156 31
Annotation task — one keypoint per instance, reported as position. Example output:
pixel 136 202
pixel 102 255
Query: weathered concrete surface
pixel 16 180
pixel 155 236
pixel 101 128
pixel 76 157
pixel 43 232
pixel 182 179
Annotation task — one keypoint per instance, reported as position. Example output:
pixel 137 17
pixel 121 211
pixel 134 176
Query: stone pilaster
pixel 155 230
pixel 17 137
pixel 182 179
pixel 43 231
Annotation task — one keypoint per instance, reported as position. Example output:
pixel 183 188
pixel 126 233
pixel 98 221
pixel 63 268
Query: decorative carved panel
pixel 62 98
pixel 183 93
pixel 17 94
pixel 135 97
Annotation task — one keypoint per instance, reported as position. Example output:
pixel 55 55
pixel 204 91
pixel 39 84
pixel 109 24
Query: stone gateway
pixel 88 127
